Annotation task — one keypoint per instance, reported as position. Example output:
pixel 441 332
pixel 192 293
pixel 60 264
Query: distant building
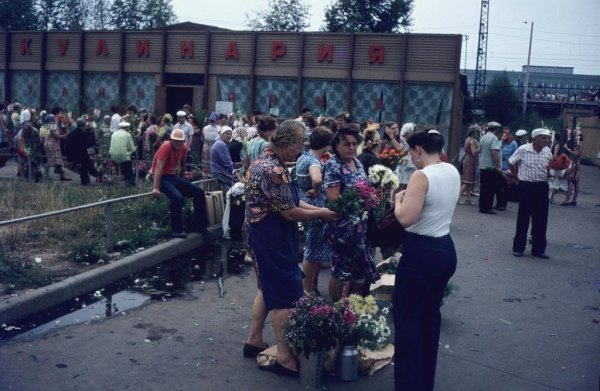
pixel 545 80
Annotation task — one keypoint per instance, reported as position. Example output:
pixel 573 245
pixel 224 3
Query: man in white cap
pixel 521 137
pixel 170 157
pixel 121 148
pixel 188 129
pixel 490 162
pixel 530 165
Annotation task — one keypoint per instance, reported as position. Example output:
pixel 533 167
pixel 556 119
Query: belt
pixel 537 183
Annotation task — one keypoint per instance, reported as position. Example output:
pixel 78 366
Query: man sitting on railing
pixel 167 158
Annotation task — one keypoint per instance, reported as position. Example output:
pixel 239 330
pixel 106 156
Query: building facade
pixel 385 77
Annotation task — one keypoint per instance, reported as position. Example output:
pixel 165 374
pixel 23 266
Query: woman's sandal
pixel 564 204
pixel 283 371
pixel 251 351
pixel 573 203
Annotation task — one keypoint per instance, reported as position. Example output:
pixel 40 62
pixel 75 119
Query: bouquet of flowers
pixel 390 157
pixel 142 168
pixel 361 323
pixel 560 162
pixel 44 131
pixel 356 200
pixel 315 326
pixel 382 178
pixel 193 176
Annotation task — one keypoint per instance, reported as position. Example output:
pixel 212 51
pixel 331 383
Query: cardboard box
pixel 384 288
pixel 215 207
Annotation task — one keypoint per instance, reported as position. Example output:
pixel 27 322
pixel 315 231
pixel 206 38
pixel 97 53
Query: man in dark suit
pixel 77 152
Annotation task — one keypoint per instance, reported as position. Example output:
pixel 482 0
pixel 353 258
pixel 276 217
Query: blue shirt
pixel 220 159
pixel 507 152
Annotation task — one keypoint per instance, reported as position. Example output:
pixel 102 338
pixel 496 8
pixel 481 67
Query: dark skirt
pixel 275 245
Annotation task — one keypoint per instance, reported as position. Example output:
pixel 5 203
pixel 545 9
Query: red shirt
pixel 171 157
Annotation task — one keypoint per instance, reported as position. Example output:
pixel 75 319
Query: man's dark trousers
pixel 533 205
pixel 488 188
pixel 176 190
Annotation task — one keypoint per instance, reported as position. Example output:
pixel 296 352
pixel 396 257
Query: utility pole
pixel 466 51
pixel 527 73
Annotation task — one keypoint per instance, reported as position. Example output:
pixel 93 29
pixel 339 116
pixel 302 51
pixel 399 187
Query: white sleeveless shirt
pixel 440 201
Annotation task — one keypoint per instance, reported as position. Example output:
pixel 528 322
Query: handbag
pixel 387 232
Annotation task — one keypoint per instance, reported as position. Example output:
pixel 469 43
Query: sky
pixel 565 31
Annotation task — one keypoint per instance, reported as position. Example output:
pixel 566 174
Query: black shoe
pixel 543 256
pixel 283 371
pixel 488 212
pixel 517 254
pixel 65 179
pixel 501 208
pixel 573 203
pixel 251 351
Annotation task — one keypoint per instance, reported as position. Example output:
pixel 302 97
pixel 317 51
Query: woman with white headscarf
pixel 221 165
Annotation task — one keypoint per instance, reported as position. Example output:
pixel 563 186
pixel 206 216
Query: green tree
pixel 19 15
pixel 500 101
pixel 282 15
pixel 158 13
pixel 98 17
pixel 50 14
pixel 127 15
pixel 374 16
pixel 74 14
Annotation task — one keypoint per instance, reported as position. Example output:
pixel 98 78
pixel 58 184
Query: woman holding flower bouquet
pixel 406 167
pixel 273 210
pixel 428 261
pixel 346 186
pixel 52 146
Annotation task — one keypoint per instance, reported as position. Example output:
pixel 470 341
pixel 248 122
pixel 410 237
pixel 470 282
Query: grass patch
pixel 85 252
pixel 18 272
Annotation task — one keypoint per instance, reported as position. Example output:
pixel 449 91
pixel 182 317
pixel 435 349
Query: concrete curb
pixel 15 308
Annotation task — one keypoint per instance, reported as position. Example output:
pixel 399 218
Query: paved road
pixel 516 324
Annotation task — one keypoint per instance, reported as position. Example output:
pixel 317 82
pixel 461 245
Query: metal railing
pixel 108 204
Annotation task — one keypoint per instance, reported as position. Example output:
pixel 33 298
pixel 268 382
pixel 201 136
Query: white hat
pixel 521 133
pixel 177 135
pixel 181 114
pixel 493 125
pixel 225 129
pixel 540 132
pixel 124 125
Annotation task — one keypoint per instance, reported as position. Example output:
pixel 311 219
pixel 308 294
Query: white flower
pixel 98 294
pixel 385 311
pixel 38 259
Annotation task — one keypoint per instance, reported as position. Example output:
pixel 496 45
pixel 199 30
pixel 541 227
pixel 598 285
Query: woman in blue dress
pixel 273 210
pixel 352 264
pixel 309 171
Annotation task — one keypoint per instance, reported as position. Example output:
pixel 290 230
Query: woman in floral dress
pixel 309 171
pixel 103 134
pixel 470 164
pixel 352 264
pixel 52 146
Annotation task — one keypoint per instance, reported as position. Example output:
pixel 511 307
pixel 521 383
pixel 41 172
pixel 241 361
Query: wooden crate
pixel 384 288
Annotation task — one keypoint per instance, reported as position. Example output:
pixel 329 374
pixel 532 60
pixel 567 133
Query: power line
pixel 547 32
pixel 547 40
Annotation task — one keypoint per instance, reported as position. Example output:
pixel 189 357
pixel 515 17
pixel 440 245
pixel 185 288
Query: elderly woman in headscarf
pixel 221 165
pixel 52 146
pixel 236 146
pixel 28 147
pixel 407 168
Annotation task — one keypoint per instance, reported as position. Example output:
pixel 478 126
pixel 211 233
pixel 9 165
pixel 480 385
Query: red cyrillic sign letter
pixel 232 51
pixel 142 48
pixel 187 47
pixel 376 53
pixel 325 51
pixel 277 49
pixel 101 48
pixel 62 46
pixel 25 46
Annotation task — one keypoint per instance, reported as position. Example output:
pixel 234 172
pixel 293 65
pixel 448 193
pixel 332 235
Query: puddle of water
pixel 162 282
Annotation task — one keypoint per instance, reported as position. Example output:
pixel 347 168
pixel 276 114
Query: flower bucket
pixel 347 363
pixel 311 370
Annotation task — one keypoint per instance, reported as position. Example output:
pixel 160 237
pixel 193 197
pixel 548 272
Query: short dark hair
pixel 265 124
pixel 153 120
pixel 55 110
pixel 133 108
pixel 431 142
pixel 114 109
pixel 320 137
pixel 330 123
pixel 311 121
pixel 343 132
pixel 345 116
pixel 221 116
pixel 304 110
